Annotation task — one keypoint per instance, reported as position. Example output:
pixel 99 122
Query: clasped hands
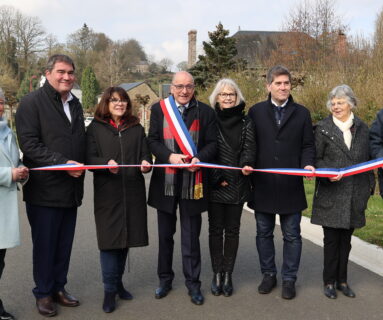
pixel 178 158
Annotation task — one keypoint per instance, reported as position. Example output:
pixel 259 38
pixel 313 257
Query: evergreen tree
pixel 89 87
pixel 219 58
pixel 29 83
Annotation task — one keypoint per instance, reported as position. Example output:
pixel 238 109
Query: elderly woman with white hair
pixel 342 140
pixel 230 189
pixel 11 171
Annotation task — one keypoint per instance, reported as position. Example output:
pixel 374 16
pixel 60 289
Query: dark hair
pixel 277 71
pixel 102 111
pixel 58 58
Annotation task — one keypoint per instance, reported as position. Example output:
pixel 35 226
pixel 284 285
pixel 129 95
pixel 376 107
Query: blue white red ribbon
pixel 319 172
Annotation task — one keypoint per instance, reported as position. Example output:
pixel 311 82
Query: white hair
pixel 221 84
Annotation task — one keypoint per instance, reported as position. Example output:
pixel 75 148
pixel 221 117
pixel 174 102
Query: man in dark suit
pixel 51 131
pixel 284 138
pixel 170 188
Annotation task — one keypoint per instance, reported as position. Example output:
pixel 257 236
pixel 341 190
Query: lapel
pixel 290 108
pixel 336 136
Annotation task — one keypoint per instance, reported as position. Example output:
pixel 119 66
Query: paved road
pixel 246 303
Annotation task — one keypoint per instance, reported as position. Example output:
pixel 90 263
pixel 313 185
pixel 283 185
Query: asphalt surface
pixel 84 281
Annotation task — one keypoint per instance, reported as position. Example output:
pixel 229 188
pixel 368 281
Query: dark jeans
pixel 52 237
pixel 2 257
pixel 292 243
pixel 112 268
pixel 224 219
pixel 190 247
pixel 337 247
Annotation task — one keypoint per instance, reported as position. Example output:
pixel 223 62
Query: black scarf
pixel 230 123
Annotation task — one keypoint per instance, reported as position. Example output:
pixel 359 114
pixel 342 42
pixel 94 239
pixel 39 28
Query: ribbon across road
pixel 319 172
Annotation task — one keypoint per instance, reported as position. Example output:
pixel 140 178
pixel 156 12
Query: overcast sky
pixel 161 26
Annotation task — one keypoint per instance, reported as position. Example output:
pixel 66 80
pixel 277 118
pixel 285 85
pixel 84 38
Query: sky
pixel 161 26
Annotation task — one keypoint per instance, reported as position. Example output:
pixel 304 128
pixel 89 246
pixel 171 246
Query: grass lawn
pixel 373 231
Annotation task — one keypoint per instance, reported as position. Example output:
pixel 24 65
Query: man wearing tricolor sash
pixel 182 130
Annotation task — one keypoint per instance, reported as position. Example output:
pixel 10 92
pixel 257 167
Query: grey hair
pixel 225 82
pixel 276 71
pixel 2 95
pixel 342 91
pixel 58 58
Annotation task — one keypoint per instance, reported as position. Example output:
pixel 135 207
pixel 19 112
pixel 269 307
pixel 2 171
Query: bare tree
pixel 166 64
pixel 315 31
pixel 30 37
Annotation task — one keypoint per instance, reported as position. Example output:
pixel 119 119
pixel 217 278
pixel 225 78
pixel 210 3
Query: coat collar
pixel 328 128
pixel 54 94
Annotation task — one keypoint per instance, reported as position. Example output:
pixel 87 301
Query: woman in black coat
pixel 116 137
pixel 230 189
pixel 341 140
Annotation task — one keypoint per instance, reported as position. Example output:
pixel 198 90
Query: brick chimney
pixel 341 44
pixel 192 54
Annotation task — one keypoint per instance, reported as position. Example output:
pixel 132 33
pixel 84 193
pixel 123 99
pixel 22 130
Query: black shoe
pixel 329 291
pixel 288 289
pixel 109 303
pixel 268 283
pixel 65 299
pixel 46 306
pixel 123 293
pixel 162 292
pixel 346 290
pixel 227 287
pixel 196 297
pixel 216 284
pixel 3 314
pixel 6 316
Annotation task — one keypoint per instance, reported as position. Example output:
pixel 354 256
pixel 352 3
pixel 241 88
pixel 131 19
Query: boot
pixel 109 303
pixel 227 287
pixel 123 293
pixel 216 284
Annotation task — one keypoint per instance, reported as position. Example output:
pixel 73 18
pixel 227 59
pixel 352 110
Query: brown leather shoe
pixel 65 299
pixel 46 306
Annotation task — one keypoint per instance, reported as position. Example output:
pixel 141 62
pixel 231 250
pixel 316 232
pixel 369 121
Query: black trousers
pixel 224 225
pixel 2 257
pixel 190 247
pixel 337 247
pixel 52 237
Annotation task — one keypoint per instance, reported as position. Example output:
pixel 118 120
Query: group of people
pixel 276 133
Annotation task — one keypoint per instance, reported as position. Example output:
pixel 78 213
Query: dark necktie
pixel 181 109
pixel 279 114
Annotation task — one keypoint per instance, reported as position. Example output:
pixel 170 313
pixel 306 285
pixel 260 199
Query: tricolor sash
pixel 174 129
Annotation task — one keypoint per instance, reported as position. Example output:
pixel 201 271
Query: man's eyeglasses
pixel 227 95
pixel 180 87
pixel 117 101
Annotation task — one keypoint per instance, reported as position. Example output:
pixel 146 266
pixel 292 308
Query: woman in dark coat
pixel 341 140
pixel 116 137
pixel 230 189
